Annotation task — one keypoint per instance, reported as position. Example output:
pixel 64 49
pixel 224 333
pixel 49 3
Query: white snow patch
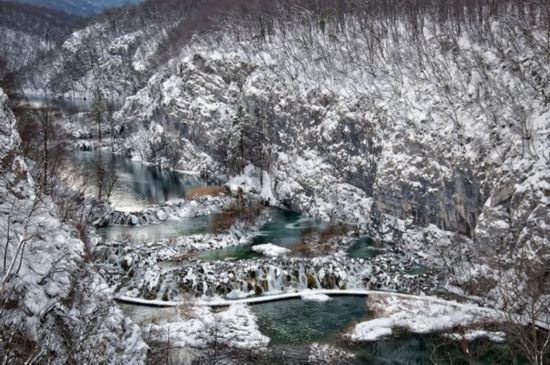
pixel 315 297
pixel 416 315
pixel 271 250
pixel 199 326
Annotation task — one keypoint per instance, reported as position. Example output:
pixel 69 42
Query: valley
pixel 231 182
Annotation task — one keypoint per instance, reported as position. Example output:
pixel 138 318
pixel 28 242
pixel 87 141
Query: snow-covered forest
pixel 170 168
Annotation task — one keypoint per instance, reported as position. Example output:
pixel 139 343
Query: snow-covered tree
pixel 98 108
pixel 238 141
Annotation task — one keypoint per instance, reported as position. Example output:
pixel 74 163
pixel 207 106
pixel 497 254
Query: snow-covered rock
pixel 473 335
pixel 199 327
pixel 417 316
pixel 271 250
pixel 315 297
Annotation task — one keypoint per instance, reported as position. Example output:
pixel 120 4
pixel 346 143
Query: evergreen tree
pixel 98 108
pixel 238 141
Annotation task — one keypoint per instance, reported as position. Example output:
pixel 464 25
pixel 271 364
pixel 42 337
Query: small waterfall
pixel 274 279
pixel 302 279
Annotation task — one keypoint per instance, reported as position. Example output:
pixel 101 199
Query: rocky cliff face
pixel 54 307
pixel 451 131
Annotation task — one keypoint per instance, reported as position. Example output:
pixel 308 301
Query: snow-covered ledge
pixel 297 294
pixel 417 315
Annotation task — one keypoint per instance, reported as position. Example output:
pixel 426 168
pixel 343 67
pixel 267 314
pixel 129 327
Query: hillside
pixel 54 305
pixel 30 34
pixel 78 7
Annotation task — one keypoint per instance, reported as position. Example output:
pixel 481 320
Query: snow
pixel 198 326
pixel 427 158
pixel 315 297
pixel 217 302
pixel 9 138
pixel 416 315
pixel 271 250
pixel 473 335
pixel 59 295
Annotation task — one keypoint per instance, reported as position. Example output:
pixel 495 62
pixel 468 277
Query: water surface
pixel 297 321
pixel 363 247
pixel 169 229
pixel 138 185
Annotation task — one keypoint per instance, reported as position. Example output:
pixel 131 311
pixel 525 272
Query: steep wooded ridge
pixel 118 50
pixel 368 113
pixel 31 33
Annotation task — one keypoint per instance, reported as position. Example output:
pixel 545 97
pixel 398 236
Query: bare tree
pixel 109 110
pixel 105 176
pixel 28 233
pixel 525 315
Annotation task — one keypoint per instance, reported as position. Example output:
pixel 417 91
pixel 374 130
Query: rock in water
pixel 161 215
pixel 133 220
pixel 271 250
pixel 315 297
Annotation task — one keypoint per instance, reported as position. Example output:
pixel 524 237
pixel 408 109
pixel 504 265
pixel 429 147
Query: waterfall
pixel 302 279
pixel 274 279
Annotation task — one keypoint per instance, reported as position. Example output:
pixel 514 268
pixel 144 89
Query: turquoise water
pixel 241 252
pixel 285 228
pixel 296 323
pixel 362 248
pixel 138 185
pixel 155 232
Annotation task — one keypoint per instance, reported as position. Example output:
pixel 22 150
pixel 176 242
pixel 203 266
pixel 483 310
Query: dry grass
pixel 201 191
pixel 334 230
pixel 303 248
